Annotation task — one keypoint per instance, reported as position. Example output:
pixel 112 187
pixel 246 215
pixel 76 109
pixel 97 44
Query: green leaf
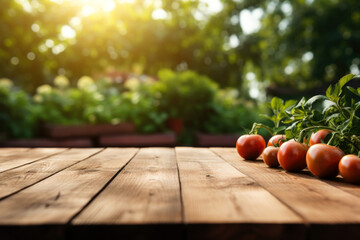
pixel 289 103
pixel 334 92
pixel 280 129
pixel 319 103
pixel 345 79
pixel 266 117
pixel 329 93
pixel 354 91
pixel 293 130
pixel 276 104
pixel 300 104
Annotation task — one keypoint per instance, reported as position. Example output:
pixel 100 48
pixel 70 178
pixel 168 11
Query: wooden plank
pixel 59 197
pixel 221 201
pixel 146 191
pixel 323 206
pixel 25 157
pixel 16 179
pixel 6 152
pixel 340 183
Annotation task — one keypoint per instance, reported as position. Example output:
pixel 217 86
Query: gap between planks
pixel 121 167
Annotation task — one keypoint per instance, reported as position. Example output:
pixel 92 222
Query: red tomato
pixel 319 136
pixel 250 146
pixel 349 167
pixel 276 140
pixel 292 156
pixel 323 160
pixel 270 156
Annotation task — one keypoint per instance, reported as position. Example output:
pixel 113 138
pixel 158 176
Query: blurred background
pixel 207 64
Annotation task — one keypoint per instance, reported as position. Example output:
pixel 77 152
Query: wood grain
pixel 6 152
pixel 59 197
pixel 146 191
pixel 215 192
pixel 340 183
pixel 16 179
pixel 124 193
pixel 316 201
pixel 222 203
pixel 19 158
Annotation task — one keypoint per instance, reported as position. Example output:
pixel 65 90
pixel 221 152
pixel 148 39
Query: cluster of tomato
pixel 323 161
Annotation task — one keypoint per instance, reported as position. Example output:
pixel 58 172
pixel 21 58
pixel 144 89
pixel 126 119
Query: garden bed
pixel 88 130
pixel 46 142
pixel 216 140
pixel 140 140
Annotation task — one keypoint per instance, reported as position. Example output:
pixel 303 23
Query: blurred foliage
pixel 185 95
pixel 89 102
pixel 300 44
pixel 146 102
pixel 309 43
pixel 17 114
pixel 230 114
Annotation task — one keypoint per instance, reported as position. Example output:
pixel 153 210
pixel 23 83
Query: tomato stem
pixel 302 133
pixel 256 126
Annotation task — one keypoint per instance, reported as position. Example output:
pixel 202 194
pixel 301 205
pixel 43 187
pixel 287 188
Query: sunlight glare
pixel 250 21
pixel 67 32
pixel 87 10
pixel 159 14
pixel 92 6
pixel 109 6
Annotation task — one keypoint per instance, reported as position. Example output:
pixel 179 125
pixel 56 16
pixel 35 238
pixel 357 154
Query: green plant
pixel 338 111
pixel 185 95
pixel 230 114
pixel 141 101
pixel 89 103
pixel 17 114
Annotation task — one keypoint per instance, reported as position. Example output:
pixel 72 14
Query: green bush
pixel 142 101
pixel 89 103
pixel 230 114
pixel 17 114
pixel 186 95
pixel 146 102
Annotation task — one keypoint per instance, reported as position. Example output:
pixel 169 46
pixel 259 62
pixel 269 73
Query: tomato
pixel 276 140
pixel 323 160
pixel 319 136
pixel 349 167
pixel 292 156
pixel 250 146
pixel 270 156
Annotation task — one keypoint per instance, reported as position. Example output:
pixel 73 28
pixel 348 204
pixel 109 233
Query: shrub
pixel 17 114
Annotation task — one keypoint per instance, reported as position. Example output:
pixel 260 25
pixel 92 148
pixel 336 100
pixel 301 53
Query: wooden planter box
pixel 45 142
pixel 63 131
pixel 216 140
pixel 138 140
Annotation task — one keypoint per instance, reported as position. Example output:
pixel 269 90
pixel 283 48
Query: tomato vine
pixel 338 110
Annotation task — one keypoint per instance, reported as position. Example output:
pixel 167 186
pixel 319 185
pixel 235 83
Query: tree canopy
pixel 298 44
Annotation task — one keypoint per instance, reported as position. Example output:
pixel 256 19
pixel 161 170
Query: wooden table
pixel 167 193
